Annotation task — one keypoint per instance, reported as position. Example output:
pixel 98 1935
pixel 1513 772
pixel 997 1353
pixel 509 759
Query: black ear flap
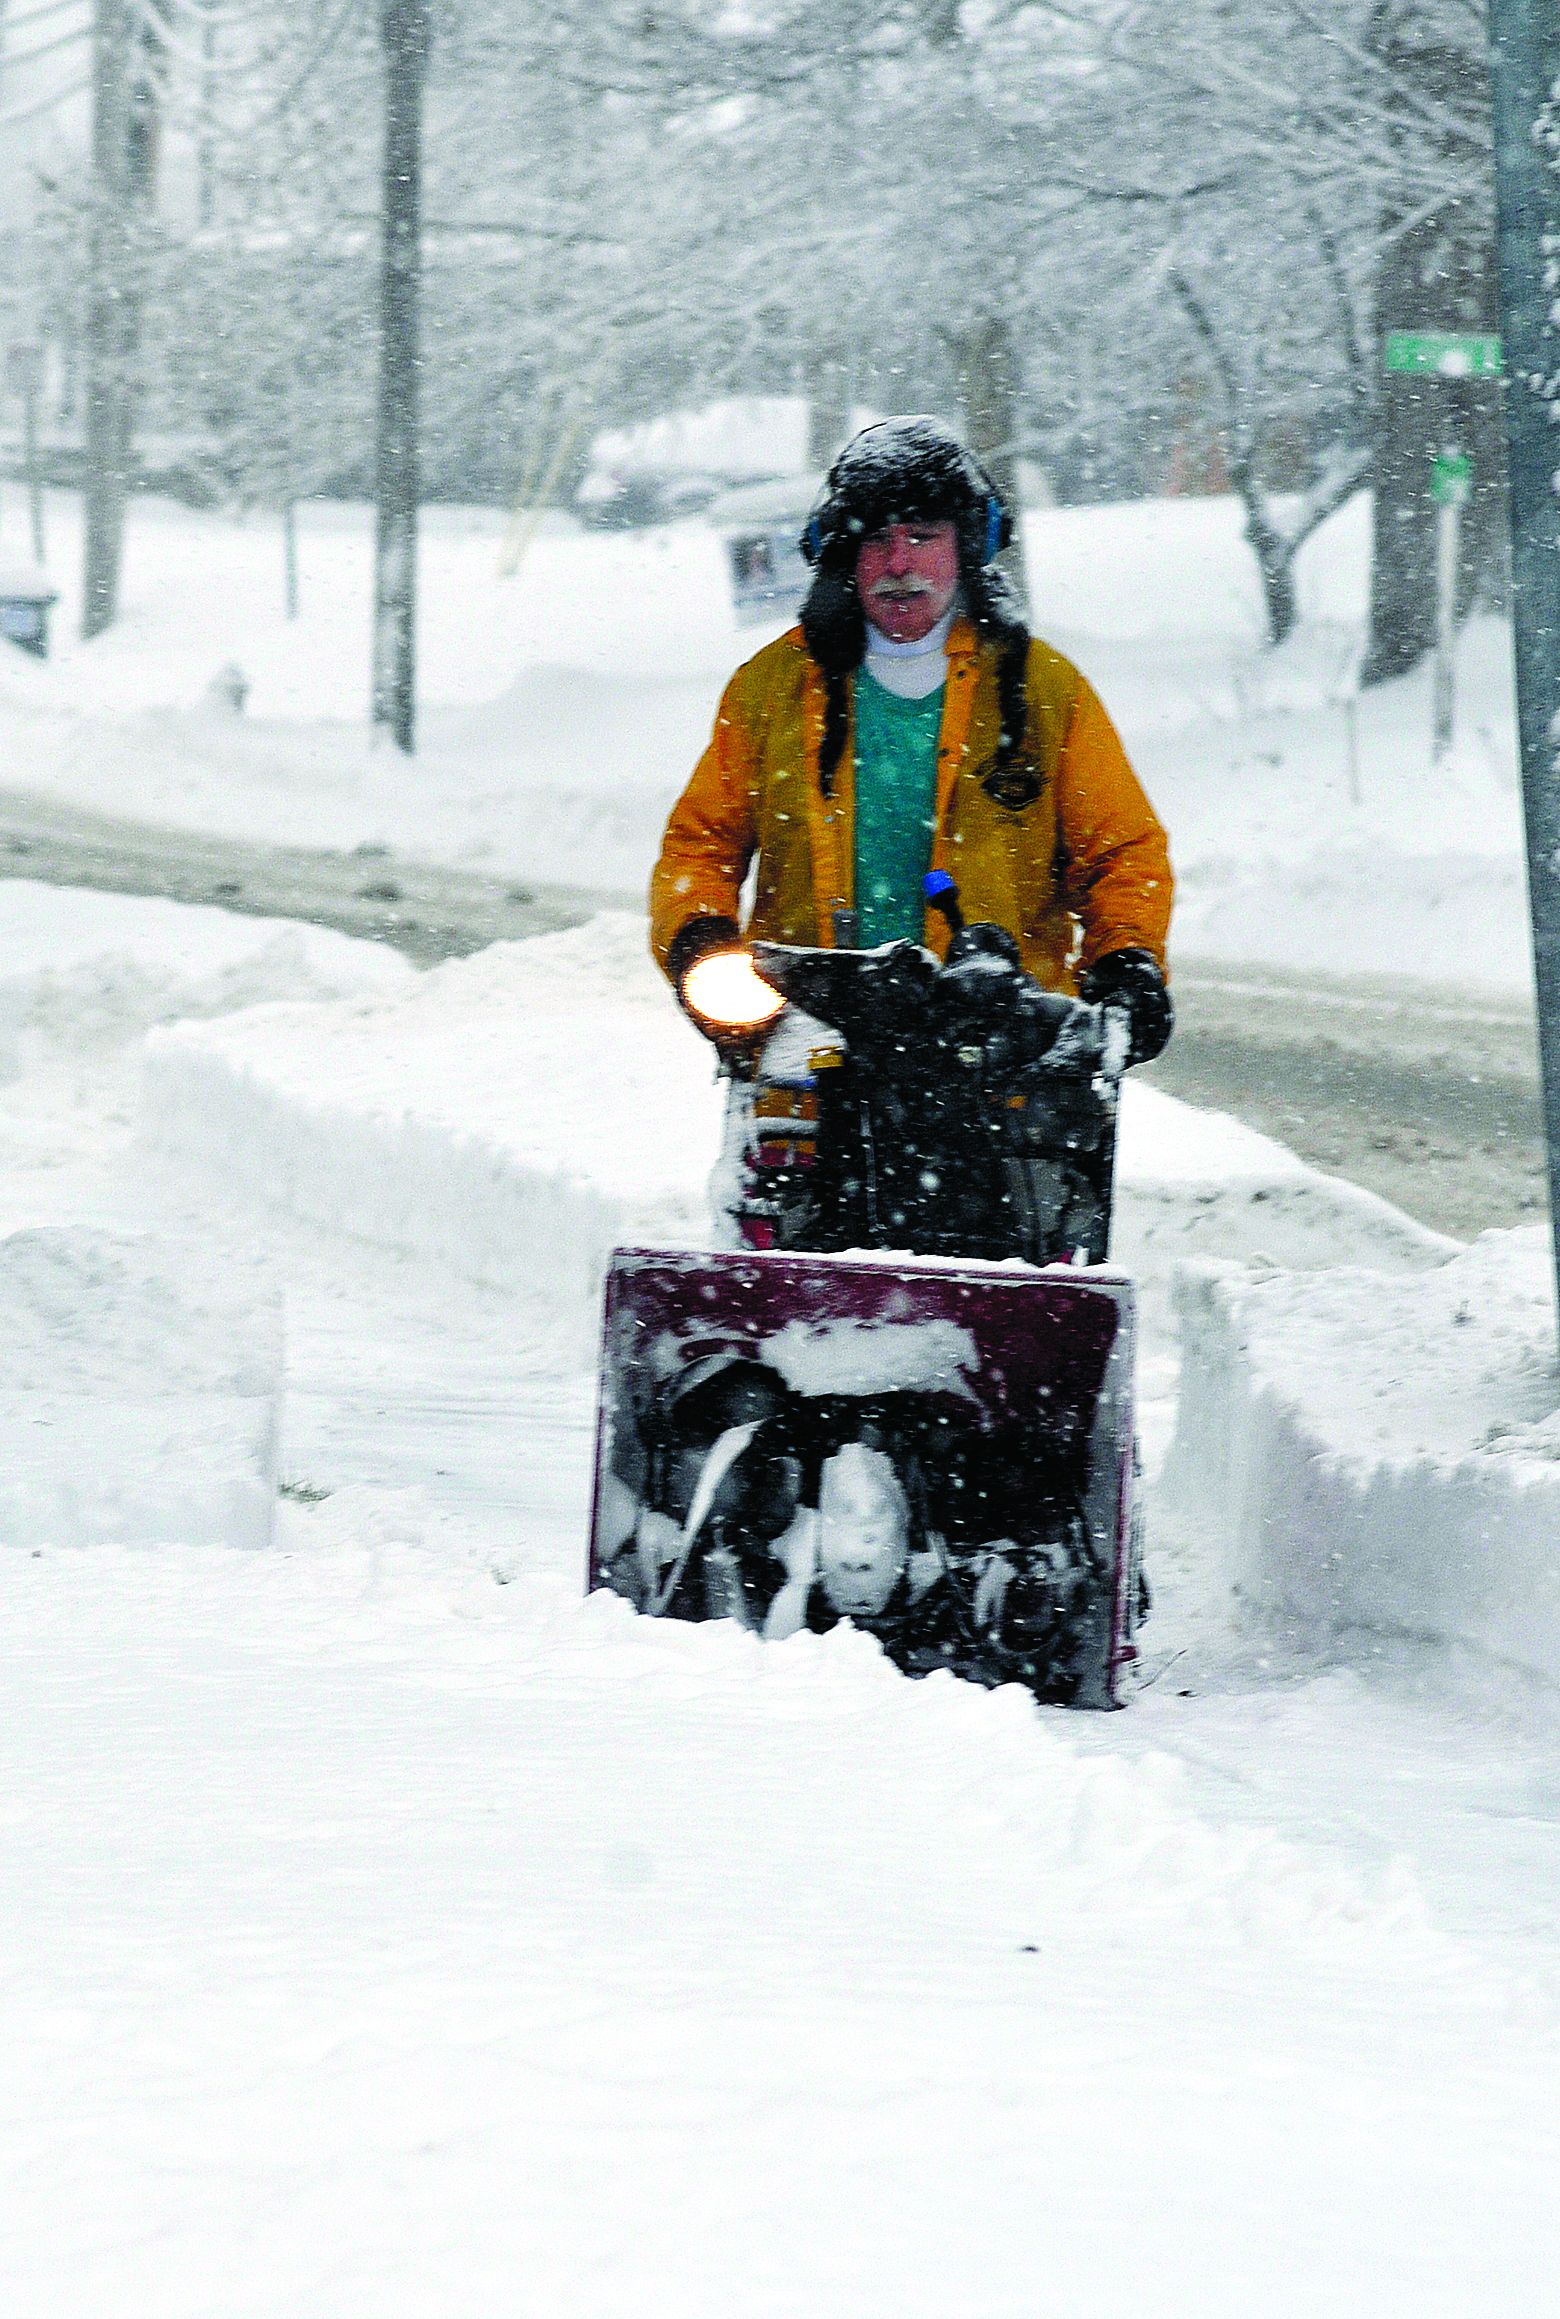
pixel 833 622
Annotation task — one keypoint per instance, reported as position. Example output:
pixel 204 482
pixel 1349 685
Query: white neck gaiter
pixel 911 670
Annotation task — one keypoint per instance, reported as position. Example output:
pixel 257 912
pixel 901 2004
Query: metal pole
pixel 1351 735
pixel 205 152
pixel 290 555
pixel 30 386
pixel 1448 523
pixel 404 34
pixel 1525 67
pixel 106 445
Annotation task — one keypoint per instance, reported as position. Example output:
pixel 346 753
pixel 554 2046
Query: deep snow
pixel 1381 1455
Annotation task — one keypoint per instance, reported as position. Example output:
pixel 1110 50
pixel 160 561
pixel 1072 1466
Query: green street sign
pixel 1444 353
pixel 1451 478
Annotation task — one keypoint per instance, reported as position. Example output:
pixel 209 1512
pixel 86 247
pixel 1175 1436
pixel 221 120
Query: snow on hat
pixel 902 470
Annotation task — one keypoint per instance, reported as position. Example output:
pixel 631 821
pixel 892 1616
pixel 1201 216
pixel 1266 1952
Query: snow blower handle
pixel 1115 1031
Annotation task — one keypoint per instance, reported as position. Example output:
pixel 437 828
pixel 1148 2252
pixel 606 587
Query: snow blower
pixel 904 1397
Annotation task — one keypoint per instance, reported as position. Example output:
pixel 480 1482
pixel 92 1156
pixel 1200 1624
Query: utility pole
pixel 404 35
pixel 106 417
pixel 1525 68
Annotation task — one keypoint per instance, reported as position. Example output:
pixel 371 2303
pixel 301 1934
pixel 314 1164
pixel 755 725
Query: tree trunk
pixel 986 373
pixel 1275 564
pixel 125 147
pixel 1433 274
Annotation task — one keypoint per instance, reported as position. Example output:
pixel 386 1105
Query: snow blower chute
pixel 905 1397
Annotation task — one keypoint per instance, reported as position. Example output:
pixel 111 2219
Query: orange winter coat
pixel 1063 848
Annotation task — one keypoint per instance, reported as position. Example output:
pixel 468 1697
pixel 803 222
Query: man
pixel 911 723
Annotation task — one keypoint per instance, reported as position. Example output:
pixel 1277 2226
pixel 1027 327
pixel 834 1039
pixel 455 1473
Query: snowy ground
pixel 390 1931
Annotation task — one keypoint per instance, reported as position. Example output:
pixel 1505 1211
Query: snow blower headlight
pixel 726 990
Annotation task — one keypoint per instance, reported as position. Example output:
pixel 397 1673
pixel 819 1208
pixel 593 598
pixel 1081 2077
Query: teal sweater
pixel 896 791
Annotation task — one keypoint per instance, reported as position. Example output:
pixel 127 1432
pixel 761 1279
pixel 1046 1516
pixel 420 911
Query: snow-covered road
pixel 425 910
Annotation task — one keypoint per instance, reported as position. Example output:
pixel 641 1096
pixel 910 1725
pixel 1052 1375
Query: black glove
pixel 1130 980
pixel 695 939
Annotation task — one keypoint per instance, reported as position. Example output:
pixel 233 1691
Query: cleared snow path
pixel 389 1931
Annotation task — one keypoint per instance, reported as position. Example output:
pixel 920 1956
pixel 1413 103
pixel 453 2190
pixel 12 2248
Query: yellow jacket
pixel 1067 854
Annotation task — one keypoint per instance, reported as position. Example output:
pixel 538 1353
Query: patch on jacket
pixel 1014 785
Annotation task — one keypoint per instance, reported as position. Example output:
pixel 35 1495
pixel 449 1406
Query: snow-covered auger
pixel 905 1396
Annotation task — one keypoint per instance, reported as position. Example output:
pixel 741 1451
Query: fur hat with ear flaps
pixel 901 471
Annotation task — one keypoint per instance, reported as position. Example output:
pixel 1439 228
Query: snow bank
pixel 1378 1450
pixel 517 1114
pixel 139 1399
pixel 513 1114
pixel 1199 1183
pixel 89 966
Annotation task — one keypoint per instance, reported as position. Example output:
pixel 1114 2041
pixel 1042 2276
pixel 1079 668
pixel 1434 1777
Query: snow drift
pixel 77 966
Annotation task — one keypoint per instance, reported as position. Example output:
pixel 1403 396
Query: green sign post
pixel 1451 486
pixel 1451 356
pixel 1443 353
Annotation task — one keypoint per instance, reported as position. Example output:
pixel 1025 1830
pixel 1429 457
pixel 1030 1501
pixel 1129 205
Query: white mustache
pixel 900 590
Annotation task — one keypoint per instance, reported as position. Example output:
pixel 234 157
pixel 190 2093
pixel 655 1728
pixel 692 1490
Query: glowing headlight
pixel 725 988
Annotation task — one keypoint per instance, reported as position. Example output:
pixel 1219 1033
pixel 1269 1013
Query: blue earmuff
pixel 993 527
